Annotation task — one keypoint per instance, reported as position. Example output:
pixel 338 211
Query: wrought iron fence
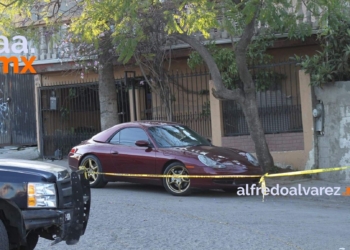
pixel 70 113
pixel 189 101
pixel 278 102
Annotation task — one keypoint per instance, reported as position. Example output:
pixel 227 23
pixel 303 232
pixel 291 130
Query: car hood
pixel 226 156
pixel 43 169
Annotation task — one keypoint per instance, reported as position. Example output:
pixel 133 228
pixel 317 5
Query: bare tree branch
pixel 220 92
pixel 241 58
pixel 8 5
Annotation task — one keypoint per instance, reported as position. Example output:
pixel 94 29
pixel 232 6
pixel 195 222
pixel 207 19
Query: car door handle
pixel 114 152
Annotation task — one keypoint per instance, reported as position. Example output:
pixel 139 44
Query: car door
pixel 128 158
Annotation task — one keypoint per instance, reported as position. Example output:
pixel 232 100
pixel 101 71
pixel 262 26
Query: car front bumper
pixel 233 179
pixel 67 224
pixel 223 183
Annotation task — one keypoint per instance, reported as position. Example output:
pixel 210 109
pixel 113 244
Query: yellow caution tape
pixel 303 172
pixel 261 181
pixel 170 176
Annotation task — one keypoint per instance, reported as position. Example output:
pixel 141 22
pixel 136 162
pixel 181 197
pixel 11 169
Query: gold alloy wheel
pixel 92 169
pixel 178 185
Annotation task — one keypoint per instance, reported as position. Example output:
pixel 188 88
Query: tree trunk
pixel 167 100
pixel 250 110
pixel 246 96
pixel 169 109
pixel 106 85
pixel 249 105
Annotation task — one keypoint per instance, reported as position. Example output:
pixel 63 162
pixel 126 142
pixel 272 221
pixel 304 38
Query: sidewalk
pixel 23 153
pixel 27 153
pixel 305 182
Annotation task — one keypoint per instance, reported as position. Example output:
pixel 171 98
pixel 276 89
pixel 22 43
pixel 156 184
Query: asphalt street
pixel 133 216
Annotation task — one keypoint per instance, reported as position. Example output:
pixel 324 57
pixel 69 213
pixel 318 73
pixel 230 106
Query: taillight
pixel 73 150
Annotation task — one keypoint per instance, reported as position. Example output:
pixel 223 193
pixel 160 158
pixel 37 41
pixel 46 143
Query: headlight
pixel 252 159
pixel 41 195
pixel 209 162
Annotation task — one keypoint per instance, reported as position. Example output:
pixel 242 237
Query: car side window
pixel 128 136
pixel 115 139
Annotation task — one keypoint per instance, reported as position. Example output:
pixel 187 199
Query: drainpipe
pixel 38 89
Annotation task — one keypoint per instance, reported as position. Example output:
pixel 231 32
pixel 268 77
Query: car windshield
pixel 168 136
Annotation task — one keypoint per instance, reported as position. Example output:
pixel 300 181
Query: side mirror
pixel 142 143
pixel 209 140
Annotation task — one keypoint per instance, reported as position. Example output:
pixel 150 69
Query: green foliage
pixel 132 16
pixel 265 79
pixel 226 61
pixel 191 16
pixel 65 112
pixel 72 93
pixel 129 20
pixel 205 109
pixel 332 62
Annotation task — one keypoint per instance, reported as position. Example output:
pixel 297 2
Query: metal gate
pixel 70 113
pixel 17 109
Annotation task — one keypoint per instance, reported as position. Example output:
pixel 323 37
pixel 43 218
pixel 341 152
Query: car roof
pixel 106 134
pixel 149 123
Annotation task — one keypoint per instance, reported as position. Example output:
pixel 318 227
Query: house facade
pixel 68 110
pixel 67 105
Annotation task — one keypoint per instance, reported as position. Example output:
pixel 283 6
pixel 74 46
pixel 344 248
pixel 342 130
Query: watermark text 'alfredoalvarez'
pixel 293 191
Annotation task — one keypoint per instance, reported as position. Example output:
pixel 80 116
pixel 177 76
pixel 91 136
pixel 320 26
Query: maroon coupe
pixel 155 147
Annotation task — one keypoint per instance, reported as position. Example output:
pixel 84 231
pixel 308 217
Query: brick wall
pixel 276 142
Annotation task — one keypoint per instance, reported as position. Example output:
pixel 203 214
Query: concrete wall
pixel 334 144
pixel 276 142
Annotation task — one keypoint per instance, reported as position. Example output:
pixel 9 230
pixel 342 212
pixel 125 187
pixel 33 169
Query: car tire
pixel 177 186
pixel 93 165
pixel 4 240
